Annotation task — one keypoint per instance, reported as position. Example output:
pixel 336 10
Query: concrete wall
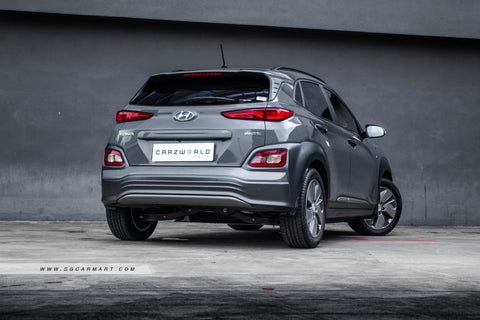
pixel 63 78
pixel 440 18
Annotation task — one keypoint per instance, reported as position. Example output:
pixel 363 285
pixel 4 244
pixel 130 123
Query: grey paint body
pixel 351 172
pixel 63 78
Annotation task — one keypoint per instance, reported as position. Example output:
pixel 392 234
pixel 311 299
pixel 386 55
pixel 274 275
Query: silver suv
pixel 248 148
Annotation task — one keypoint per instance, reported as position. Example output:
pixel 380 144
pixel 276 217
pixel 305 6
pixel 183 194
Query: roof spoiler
pixel 279 68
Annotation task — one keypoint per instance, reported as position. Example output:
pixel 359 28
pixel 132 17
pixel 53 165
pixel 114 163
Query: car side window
pixel 298 94
pixel 314 100
pixel 344 117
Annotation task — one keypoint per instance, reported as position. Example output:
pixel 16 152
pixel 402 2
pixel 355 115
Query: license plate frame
pixel 183 152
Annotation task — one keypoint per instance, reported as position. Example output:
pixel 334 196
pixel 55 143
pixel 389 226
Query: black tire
pixel 245 227
pixel 305 228
pixel 386 215
pixel 125 225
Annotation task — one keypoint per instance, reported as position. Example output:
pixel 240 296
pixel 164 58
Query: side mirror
pixel 373 131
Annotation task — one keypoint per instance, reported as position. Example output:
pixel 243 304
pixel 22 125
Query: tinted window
pixel 314 100
pixel 203 88
pixel 298 94
pixel 344 117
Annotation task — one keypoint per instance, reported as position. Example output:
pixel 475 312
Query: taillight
pixel 271 158
pixel 113 158
pixel 129 115
pixel 263 114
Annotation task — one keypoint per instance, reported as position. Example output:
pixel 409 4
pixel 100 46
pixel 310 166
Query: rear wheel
pixel 245 227
pixel 387 213
pixel 305 228
pixel 125 224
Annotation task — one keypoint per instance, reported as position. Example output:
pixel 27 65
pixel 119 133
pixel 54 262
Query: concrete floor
pixel 208 271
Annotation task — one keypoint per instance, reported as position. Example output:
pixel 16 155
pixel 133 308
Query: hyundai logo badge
pixel 185 116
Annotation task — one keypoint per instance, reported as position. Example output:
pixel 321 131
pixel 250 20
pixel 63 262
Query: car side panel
pixel 301 128
pixel 363 175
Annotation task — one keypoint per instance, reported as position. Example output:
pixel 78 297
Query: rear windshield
pixel 203 88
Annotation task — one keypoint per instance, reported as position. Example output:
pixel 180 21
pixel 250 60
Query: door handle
pixel 321 128
pixel 352 143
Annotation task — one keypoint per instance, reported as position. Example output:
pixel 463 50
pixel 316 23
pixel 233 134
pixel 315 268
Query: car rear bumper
pixel 149 186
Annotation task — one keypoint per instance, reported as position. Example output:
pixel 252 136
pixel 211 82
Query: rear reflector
pixel 113 158
pixel 129 115
pixel 271 158
pixel 262 114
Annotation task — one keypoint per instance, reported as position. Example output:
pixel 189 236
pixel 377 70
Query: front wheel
pixel 387 213
pixel 305 228
pixel 125 224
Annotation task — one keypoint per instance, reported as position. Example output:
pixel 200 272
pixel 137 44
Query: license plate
pixel 176 152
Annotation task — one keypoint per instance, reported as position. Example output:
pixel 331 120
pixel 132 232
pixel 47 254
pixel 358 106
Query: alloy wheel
pixel 386 210
pixel 314 207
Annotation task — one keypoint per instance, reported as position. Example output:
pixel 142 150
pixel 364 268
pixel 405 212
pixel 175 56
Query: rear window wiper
pixel 210 99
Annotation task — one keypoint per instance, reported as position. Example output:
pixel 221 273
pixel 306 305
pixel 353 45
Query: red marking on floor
pixel 384 240
pixel 268 289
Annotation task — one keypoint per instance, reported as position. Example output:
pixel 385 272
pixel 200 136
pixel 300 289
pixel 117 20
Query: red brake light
pixel 277 114
pixel 265 114
pixel 246 114
pixel 272 158
pixel 202 74
pixel 113 158
pixel 129 115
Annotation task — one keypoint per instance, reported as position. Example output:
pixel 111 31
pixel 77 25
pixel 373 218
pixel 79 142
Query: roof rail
pixel 296 70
